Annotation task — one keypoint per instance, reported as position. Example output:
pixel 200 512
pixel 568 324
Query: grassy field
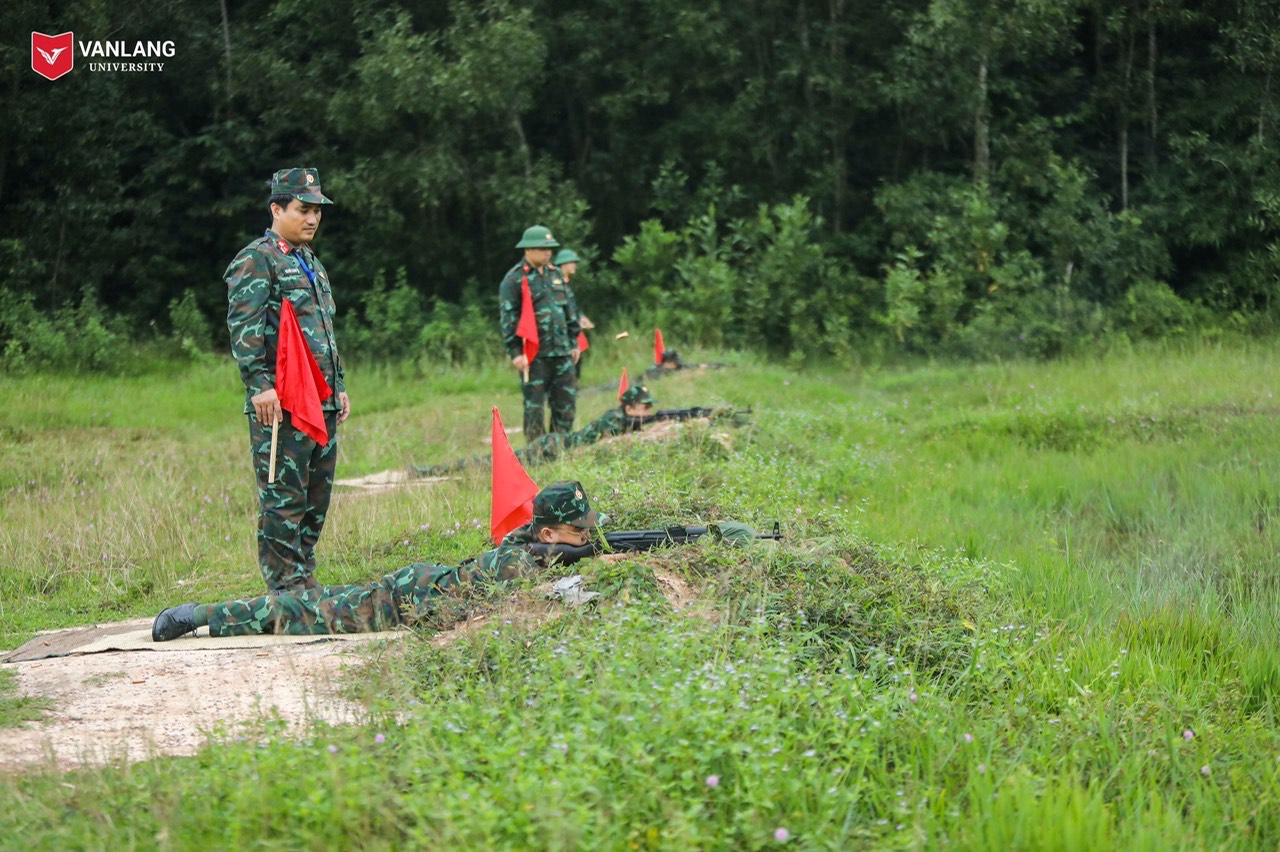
pixel 1025 605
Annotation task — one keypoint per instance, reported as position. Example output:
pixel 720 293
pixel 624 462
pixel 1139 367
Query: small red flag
pixel 583 343
pixel 658 348
pixel 513 490
pixel 527 329
pixel 622 385
pixel 299 382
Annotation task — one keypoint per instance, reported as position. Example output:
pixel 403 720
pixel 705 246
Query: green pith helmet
pixel 637 394
pixel 537 237
pixel 566 256
pixel 565 502
pixel 303 184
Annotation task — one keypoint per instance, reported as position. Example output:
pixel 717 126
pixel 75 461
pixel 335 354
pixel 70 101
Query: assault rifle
pixel 680 414
pixel 639 540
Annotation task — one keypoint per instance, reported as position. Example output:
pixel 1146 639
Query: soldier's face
pixel 639 409
pixel 569 268
pixel 537 258
pixel 564 534
pixel 298 222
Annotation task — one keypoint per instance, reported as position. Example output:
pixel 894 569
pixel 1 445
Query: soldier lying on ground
pixel 560 533
pixel 561 515
pixel 635 404
pixel 671 361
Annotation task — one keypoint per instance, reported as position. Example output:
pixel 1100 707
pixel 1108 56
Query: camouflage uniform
pixel 551 374
pixel 293 508
pixel 399 598
pixel 546 448
pixel 403 597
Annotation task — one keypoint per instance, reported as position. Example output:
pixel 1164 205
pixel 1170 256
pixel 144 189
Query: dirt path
pixel 140 704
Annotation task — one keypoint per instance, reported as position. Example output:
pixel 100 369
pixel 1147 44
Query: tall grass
pixel 1020 605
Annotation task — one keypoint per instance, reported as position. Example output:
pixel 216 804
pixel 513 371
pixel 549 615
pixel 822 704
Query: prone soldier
pixel 562 515
pixel 635 405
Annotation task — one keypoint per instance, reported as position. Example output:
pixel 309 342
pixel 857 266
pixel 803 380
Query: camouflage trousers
pixel 551 380
pixel 292 510
pixel 397 599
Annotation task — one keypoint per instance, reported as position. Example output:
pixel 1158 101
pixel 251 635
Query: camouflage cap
pixel 637 394
pixel 537 237
pixel 565 502
pixel 302 184
pixel 566 256
pixel 671 356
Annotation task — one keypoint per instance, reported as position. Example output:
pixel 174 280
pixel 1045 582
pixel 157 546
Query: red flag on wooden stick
pixel 622 385
pixel 299 382
pixel 527 329
pixel 658 348
pixel 511 505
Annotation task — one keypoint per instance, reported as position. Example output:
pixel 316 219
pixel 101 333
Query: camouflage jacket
pixel 553 303
pixel 264 271
pixel 517 538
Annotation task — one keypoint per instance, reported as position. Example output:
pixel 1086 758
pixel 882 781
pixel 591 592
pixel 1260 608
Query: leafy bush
pixel 763 282
pixel 1152 309
pixel 78 338
pixel 191 330
pixel 392 320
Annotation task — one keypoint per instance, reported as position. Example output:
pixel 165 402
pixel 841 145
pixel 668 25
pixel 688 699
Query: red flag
pixel 583 344
pixel 527 329
pixel 513 490
pixel 622 385
pixel 658 348
pixel 299 382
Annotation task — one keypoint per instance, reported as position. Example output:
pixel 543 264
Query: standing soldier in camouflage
pixel 567 261
pixel 277 266
pixel 551 374
pixel 561 515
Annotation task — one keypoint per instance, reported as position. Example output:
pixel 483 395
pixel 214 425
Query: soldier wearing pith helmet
pixel 280 265
pixel 550 376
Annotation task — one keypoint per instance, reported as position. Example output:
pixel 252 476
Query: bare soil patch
pixel 135 705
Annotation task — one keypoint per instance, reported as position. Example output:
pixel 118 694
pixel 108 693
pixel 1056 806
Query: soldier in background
pixel 281 265
pixel 567 261
pixel 635 404
pixel 551 374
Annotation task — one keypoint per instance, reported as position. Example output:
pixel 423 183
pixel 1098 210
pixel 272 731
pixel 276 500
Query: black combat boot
pixel 174 622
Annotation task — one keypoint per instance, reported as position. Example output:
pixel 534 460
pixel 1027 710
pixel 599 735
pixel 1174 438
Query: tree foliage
pixel 983 176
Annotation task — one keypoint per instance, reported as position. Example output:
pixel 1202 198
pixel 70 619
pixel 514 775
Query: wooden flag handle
pixel 275 434
pixel 526 375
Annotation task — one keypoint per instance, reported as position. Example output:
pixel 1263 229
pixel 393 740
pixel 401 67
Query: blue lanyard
pixel 311 276
pixel 297 255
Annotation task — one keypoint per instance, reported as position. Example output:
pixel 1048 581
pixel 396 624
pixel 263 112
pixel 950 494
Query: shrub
pixel 75 337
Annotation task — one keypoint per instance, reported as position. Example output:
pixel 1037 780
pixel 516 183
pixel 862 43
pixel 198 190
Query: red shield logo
pixel 52 55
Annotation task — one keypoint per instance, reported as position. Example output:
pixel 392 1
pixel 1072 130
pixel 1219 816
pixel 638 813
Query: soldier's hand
pixel 520 362
pixel 346 406
pixel 267 406
pixel 584 323
pixel 576 355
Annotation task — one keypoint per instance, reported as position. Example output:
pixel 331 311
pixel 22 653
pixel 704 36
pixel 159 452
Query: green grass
pixel 1020 605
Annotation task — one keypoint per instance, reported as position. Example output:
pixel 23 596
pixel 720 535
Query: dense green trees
pixel 976 176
